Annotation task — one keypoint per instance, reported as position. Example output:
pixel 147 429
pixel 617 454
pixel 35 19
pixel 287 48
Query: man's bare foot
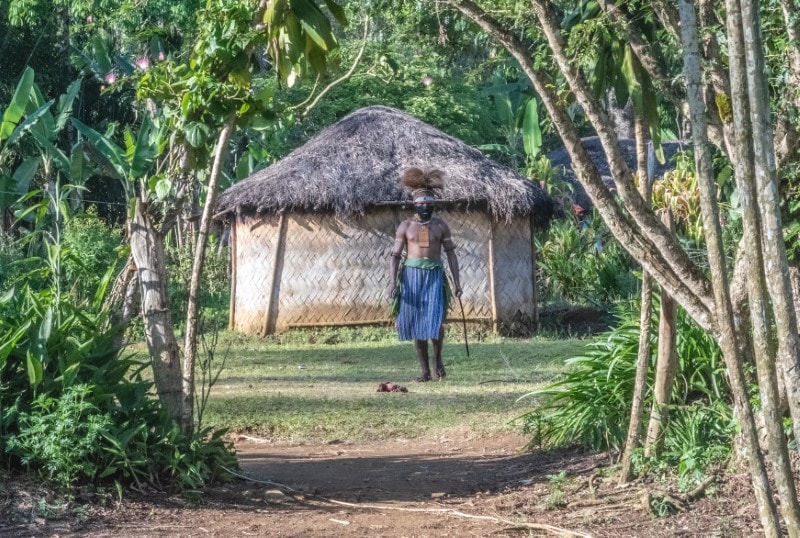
pixel 440 373
pixel 423 378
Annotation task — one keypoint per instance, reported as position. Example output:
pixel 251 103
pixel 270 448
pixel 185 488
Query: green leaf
pixel 274 14
pixel 35 370
pixel 61 160
pixel 651 115
pixel 29 122
pixel 144 152
pixel 113 154
pixel 196 134
pixel 531 130
pixel 630 72
pixel 19 101
pixel 64 109
pixel 337 11
pixel 101 55
pixel 163 187
pixel 315 24
pixel 79 172
pixel 24 174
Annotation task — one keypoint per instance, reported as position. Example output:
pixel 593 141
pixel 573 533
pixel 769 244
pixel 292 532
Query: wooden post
pixel 233 276
pixel 492 284
pixel 274 286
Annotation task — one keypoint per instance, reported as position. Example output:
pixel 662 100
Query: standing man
pixel 422 289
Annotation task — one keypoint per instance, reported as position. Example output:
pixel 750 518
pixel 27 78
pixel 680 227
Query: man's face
pixel 424 210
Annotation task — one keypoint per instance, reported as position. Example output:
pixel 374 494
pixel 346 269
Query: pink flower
pixel 579 210
pixel 89 19
pixel 111 77
pixel 161 56
pixel 143 63
pixel 427 81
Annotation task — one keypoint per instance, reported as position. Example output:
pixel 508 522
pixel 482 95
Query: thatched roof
pixel 357 163
pixel 560 159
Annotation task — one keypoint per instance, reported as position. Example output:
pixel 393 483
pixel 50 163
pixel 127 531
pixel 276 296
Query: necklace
pixel 423 236
pixel 421 222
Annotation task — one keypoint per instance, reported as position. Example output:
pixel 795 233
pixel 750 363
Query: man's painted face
pixel 424 211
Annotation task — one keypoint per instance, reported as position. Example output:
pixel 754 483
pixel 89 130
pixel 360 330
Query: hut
pixel 561 160
pixel 311 234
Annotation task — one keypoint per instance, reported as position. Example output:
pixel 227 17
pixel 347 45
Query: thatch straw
pixel 358 162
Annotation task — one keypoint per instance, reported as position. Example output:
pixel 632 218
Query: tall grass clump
pixel 590 405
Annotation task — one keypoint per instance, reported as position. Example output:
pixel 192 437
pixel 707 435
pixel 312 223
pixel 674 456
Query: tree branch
pixel 347 75
pixel 655 258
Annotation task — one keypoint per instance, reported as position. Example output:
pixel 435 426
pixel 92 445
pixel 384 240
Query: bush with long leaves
pixel 590 405
pixel 580 262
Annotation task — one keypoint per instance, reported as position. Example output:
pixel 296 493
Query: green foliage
pixel 555 491
pixel 60 437
pixel 580 262
pixel 214 287
pixel 591 404
pixel 697 437
pixel 93 245
pixel 11 251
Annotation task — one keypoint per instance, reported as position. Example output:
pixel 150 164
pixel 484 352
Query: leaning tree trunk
pixel 645 320
pixel 658 252
pixel 716 258
pixel 193 307
pixel 147 249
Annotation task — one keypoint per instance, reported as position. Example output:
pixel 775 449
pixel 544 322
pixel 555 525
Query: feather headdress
pixel 423 182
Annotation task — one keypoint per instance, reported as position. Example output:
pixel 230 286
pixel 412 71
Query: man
pixel 421 289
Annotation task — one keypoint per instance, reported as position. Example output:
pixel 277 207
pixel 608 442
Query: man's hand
pixel 458 291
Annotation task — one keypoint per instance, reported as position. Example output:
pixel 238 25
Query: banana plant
pixel 517 111
pixel 132 164
pixel 19 117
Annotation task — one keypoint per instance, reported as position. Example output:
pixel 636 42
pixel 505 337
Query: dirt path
pixel 453 485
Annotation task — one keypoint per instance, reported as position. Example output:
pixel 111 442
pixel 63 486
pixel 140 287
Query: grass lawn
pixel 320 386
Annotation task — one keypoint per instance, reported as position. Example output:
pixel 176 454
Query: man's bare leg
pixel 422 355
pixel 437 355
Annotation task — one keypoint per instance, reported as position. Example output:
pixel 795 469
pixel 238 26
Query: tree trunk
pixel 774 263
pixel 147 249
pixel 716 257
pixel 193 306
pixel 774 247
pixel 645 320
pixel 666 364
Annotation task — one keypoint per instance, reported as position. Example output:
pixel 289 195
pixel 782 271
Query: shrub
pixel 590 405
pixel 580 262
pixel 214 289
pixel 93 246
pixel 60 436
pixel 72 408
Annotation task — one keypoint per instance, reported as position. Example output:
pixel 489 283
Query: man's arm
pixel 394 258
pixel 452 260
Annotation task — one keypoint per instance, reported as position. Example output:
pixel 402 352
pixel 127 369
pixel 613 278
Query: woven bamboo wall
pixel 513 273
pixel 255 246
pixel 328 271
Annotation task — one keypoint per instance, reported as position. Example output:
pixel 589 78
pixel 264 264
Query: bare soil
pixel 457 484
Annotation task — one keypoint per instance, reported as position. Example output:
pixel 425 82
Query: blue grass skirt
pixel 423 300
